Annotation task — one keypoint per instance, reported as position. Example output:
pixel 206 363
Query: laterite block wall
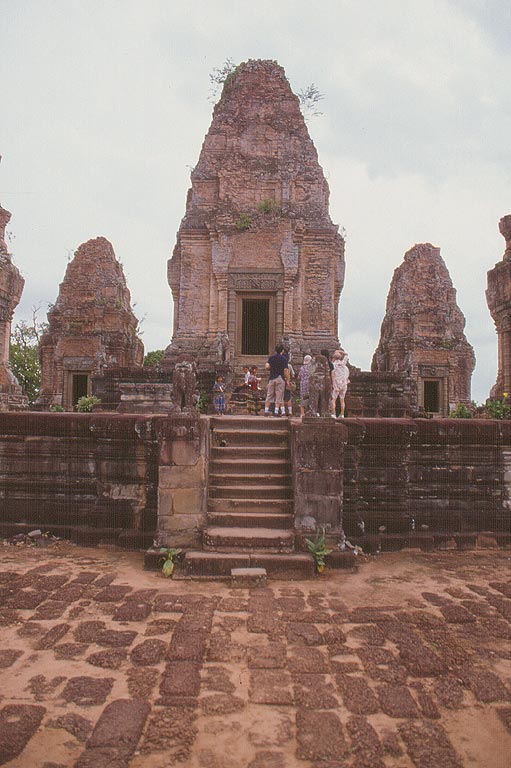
pixel 86 477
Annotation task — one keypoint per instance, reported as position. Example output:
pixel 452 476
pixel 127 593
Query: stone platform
pixel 104 664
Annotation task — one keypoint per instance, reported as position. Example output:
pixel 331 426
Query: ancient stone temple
pixel 11 287
pixel 422 335
pixel 257 256
pixel 91 326
pixel 498 296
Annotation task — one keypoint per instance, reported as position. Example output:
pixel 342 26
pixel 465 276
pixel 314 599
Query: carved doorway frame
pixel 271 297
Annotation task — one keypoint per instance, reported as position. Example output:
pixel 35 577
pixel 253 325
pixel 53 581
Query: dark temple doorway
pixel 255 326
pixel 432 396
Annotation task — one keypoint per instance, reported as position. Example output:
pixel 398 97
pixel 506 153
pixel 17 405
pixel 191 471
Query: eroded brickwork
pixel 11 287
pixel 256 226
pixel 498 296
pixel 91 325
pixel 422 335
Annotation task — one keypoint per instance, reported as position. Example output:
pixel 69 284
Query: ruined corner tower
pixel 422 334
pixel 91 326
pixel 11 287
pixel 257 257
pixel 498 297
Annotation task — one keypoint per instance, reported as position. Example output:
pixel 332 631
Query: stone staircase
pixel 250 501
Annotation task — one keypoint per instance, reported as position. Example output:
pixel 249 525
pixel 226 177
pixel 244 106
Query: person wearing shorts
pixel 340 378
pixel 279 373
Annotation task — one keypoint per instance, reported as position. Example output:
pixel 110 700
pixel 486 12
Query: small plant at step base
pixel 318 550
pixel 86 404
pixel 56 409
pixel 170 555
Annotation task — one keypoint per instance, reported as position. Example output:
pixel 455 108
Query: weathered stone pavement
pixel 406 663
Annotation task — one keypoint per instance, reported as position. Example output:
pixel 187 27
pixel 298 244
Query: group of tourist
pixel 281 384
pixel 281 373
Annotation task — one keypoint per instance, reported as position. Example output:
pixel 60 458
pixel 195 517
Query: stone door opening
pixel 79 387
pixel 255 326
pixel 432 402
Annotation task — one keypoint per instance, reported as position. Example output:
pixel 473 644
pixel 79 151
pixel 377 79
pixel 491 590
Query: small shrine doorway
pixel 78 385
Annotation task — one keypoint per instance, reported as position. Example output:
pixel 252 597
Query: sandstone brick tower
pixel 11 287
pixel 91 326
pixel 422 334
pixel 498 297
pixel 257 257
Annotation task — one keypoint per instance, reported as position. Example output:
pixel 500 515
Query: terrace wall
pixel 398 482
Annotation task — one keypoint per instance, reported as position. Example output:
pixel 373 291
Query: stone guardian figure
pixel 320 387
pixel 223 347
pixel 184 386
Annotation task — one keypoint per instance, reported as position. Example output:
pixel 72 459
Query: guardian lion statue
pixel 184 385
pixel 320 387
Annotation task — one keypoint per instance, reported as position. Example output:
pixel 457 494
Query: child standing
pixel 219 396
pixel 253 394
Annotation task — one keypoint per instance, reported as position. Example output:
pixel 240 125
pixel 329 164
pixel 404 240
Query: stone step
pixel 250 479
pixel 266 423
pixel 248 578
pixel 266 539
pixel 250 466
pixel 224 438
pixel 250 492
pixel 251 506
pixel 250 520
pixel 283 566
pixel 249 453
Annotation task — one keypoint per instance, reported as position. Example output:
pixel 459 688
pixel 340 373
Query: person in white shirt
pixel 340 379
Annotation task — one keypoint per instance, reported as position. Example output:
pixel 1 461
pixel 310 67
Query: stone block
pixel 165 507
pixel 183 452
pixel 326 482
pixel 246 578
pixel 183 475
pixel 188 501
pixel 326 510
pixel 175 523
pixel 338 559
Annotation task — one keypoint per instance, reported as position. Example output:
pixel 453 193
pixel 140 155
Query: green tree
pixel 154 357
pixel 24 355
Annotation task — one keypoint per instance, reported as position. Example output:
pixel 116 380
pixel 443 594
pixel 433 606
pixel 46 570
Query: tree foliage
pixel 24 355
pixel 154 357
pixel 218 76
pixel 309 98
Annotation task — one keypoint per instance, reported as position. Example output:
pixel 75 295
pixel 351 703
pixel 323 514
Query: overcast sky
pixel 105 107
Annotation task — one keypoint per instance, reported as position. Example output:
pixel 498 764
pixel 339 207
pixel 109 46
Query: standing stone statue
pixel 320 387
pixel 184 386
pixel 223 347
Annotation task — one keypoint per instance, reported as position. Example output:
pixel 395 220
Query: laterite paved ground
pixel 405 663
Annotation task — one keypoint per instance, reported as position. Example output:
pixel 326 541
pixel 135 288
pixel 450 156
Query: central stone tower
pixel 257 257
